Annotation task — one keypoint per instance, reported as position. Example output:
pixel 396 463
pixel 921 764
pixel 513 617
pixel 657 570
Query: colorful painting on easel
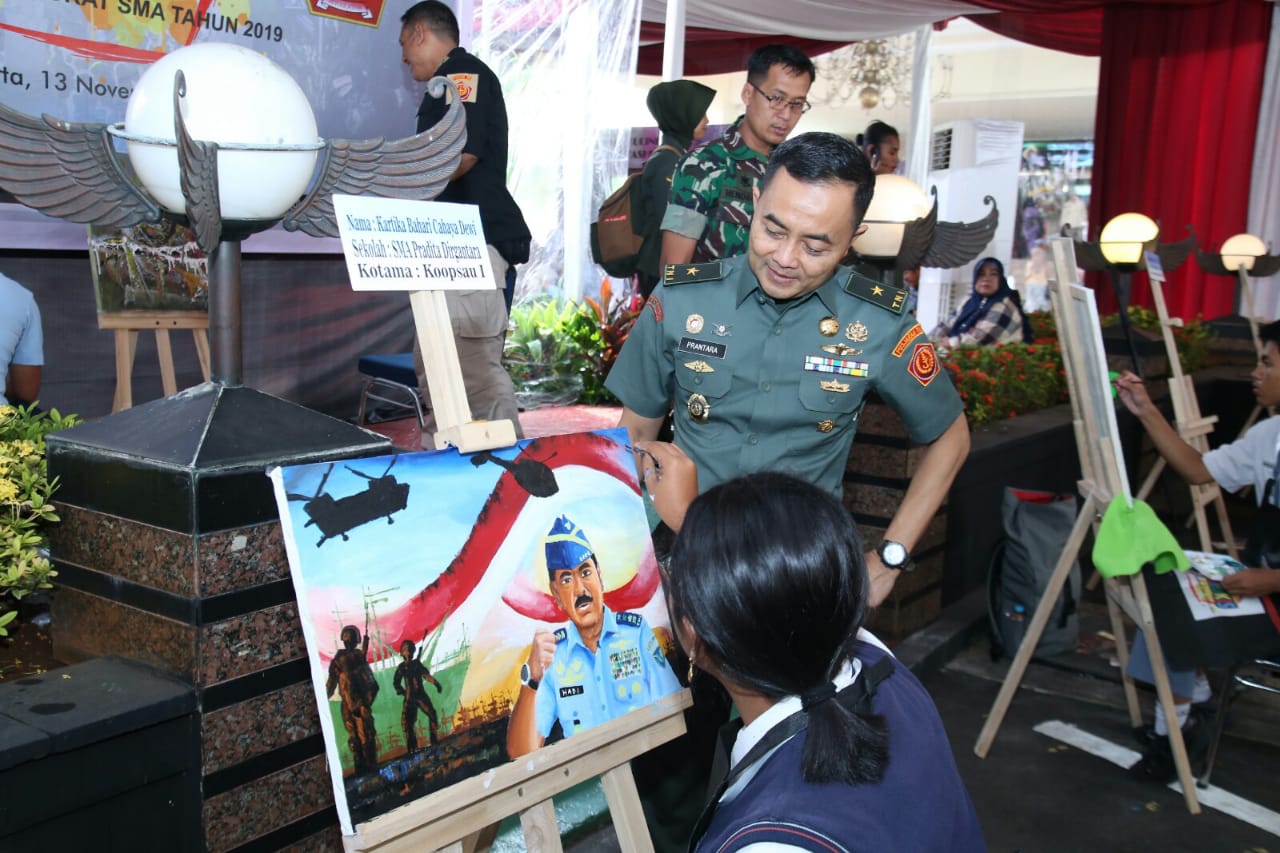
pixel 461 610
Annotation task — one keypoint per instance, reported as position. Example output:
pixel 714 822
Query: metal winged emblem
pixel 69 170
pixel 1263 265
pixel 72 171
pixel 930 243
pixel 1172 255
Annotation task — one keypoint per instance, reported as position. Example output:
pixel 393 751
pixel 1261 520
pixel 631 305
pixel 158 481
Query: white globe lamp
pixel 1240 251
pixel 1123 238
pixel 250 106
pixel 897 201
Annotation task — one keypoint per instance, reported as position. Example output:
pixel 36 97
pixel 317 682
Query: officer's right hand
pixel 541 652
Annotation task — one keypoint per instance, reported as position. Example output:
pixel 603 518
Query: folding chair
pixel 389 374
pixel 1238 678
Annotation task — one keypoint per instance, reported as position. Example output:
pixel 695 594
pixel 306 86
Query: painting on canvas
pixel 462 610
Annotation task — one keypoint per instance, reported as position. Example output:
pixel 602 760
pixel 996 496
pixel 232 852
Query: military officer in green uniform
pixel 709 213
pixel 767 358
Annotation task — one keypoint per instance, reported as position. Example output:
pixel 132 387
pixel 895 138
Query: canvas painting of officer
pixel 463 610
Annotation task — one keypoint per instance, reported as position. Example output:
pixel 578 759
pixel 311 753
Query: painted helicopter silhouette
pixel 532 475
pixel 384 496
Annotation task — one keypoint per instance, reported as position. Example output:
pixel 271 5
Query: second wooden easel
pixel 1193 427
pixel 127 325
pixel 1103 478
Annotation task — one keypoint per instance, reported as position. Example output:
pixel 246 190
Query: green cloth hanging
pixel 1130 536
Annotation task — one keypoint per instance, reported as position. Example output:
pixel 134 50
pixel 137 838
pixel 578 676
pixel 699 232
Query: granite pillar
pixel 170 552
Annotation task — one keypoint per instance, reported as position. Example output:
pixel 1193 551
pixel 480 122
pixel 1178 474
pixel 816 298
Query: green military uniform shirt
pixel 763 385
pixel 711 196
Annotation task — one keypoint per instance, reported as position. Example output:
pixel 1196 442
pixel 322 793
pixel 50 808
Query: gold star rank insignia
pixel 892 299
pixel 688 273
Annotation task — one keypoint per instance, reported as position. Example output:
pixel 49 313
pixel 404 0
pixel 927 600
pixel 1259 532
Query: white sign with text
pixel 399 244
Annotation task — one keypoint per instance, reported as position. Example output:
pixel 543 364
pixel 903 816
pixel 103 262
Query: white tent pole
pixel 919 134
pixel 673 43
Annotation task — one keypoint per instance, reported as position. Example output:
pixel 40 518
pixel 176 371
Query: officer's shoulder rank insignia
pixel 561 635
pixel 632 619
pixel 687 273
pixel 892 299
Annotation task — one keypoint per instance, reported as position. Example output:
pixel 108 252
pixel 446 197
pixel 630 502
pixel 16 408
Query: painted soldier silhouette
pixel 351 674
pixel 409 683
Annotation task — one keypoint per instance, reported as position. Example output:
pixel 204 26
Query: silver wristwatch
pixel 894 555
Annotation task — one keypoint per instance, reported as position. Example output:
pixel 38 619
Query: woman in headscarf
pixel 680 109
pixel 992 315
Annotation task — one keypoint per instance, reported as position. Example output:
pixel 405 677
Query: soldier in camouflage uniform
pixel 709 212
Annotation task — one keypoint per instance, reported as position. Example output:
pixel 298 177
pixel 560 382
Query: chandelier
pixel 876 72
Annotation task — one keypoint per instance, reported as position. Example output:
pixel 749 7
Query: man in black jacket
pixel 429 46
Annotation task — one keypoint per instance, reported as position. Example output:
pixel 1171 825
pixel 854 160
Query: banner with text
pixel 79 59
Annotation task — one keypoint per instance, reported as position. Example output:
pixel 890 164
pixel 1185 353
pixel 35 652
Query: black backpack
pixel 1036 526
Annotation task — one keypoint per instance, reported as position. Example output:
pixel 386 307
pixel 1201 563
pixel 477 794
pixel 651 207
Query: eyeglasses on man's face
pixel 779 103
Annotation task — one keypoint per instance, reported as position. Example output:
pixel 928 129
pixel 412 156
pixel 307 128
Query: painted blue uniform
pixel 627 671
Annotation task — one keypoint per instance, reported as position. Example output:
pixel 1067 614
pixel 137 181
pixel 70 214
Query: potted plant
pixel 25 504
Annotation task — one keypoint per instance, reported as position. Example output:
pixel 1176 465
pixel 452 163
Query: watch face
pixel 893 554
pixel 524 673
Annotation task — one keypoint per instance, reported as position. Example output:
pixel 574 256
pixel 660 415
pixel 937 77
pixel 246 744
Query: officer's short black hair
pixel 825 158
pixel 435 16
pixel 1270 332
pixel 789 57
pixel 769 572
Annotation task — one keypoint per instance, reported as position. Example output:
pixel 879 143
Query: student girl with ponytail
pixel 838 747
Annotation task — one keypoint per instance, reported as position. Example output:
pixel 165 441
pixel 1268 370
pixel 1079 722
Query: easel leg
pixel 624 807
pixel 1052 590
pixel 1122 654
pixel 164 351
pixel 126 346
pixel 201 337
pixel 1165 692
pixel 1150 483
pixel 1224 523
pixel 476 842
pixel 540 830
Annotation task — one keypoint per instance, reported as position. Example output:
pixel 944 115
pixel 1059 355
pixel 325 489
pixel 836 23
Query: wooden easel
pixel 1103 477
pixel 454 426
pixel 463 817
pixel 1248 305
pixel 127 325
pixel 1190 424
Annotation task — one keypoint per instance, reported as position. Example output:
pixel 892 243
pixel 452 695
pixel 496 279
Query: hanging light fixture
pixel 875 72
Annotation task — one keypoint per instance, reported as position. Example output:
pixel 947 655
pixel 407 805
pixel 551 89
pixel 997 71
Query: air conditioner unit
pixel 968 160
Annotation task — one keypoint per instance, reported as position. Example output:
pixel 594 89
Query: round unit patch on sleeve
pixel 924 363
pixel 468 86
